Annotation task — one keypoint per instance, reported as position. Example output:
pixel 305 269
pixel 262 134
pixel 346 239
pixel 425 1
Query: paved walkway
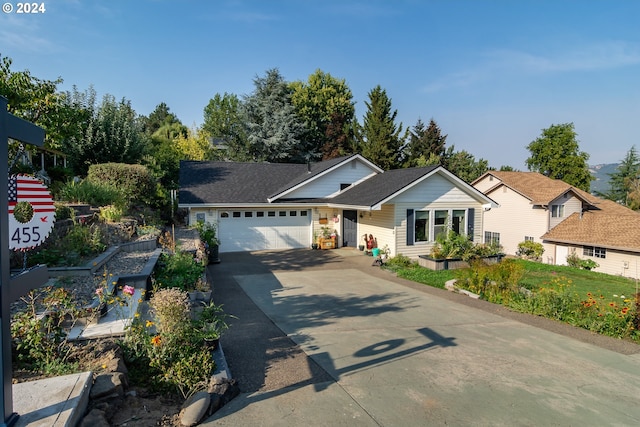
pixel 324 339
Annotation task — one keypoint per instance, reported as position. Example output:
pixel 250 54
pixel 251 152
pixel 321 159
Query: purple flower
pixel 129 290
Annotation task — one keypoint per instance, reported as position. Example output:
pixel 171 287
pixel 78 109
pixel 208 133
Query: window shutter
pixel 471 212
pixel 410 227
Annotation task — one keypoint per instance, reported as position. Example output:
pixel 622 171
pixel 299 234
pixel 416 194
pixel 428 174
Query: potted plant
pixel 208 236
pixel 212 323
pixel 314 245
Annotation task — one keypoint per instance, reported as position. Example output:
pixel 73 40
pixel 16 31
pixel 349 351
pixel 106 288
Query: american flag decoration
pixel 26 188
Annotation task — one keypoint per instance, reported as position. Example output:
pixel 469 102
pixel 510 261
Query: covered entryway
pixel 255 230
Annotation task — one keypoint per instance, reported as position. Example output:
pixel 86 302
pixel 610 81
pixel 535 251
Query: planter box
pixel 452 263
pixel 327 243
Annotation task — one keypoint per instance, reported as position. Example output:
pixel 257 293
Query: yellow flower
pixel 156 340
pixel 149 324
pixel 136 315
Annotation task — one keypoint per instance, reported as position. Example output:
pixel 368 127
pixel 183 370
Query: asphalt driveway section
pixel 394 353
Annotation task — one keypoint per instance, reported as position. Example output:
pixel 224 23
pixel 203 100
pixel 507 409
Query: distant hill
pixel 601 173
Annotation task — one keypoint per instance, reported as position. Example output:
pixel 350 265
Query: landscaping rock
pixel 195 408
pixel 107 385
pixel 222 391
pixel 95 418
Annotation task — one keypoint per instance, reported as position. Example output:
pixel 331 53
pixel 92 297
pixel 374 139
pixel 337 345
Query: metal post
pixel 16 128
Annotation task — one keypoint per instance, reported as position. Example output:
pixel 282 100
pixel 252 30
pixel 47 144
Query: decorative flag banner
pixel 30 229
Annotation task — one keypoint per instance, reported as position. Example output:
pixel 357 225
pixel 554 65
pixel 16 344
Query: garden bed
pixel 438 264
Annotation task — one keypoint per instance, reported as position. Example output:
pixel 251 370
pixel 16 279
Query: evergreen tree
pixel 424 143
pixel 158 118
pixel 379 138
pixel 274 129
pixel 556 154
pixel 620 182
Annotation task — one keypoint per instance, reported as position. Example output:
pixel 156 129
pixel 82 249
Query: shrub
pixel 178 270
pixel 530 250
pixel 134 181
pixel 399 261
pixel 92 193
pixel 454 245
pixel 495 283
pixel 170 355
pixel 111 213
pixel 573 260
pixel 39 339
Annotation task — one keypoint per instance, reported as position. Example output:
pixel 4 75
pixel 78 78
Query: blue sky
pixel 492 74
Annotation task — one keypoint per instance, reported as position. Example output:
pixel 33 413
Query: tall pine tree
pixel 379 138
pixel 424 144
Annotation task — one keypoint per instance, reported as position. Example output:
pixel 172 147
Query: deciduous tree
pixel 326 106
pixel 556 154
pixel 225 120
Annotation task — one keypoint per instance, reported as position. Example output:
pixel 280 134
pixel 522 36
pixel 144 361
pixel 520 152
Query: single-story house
pixel 608 234
pixel 258 206
pixel 531 204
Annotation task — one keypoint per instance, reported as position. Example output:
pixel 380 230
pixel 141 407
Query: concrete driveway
pixel 325 339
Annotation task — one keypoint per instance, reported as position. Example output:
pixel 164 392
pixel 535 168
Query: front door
pixel 350 228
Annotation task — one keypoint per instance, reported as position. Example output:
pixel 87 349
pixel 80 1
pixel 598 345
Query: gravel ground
pixel 83 288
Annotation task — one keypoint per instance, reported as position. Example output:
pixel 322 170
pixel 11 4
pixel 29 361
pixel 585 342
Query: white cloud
pixel 22 33
pixel 496 63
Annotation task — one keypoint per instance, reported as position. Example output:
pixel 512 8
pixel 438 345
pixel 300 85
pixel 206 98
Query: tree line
pixel 279 121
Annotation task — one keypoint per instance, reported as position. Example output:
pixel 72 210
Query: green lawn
pixel 536 276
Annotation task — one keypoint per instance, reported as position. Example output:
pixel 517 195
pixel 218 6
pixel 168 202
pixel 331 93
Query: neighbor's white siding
pixel 329 184
pixel 515 219
pixel 571 205
pixel 617 263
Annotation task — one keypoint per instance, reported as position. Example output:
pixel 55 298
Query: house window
pixel 594 251
pixel 491 238
pixel 528 238
pixel 457 221
pixel 293 213
pixel 271 213
pixel 260 214
pixel 200 217
pixel 557 211
pixel 343 186
pixel 303 213
pixel 224 215
pixel 236 214
pixel 282 213
pixel 248 214
pixel 421 226
pixel 439 223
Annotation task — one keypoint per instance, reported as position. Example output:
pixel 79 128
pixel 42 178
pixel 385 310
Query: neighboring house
pixel 259 206
pixel 531 204
pixel 608 234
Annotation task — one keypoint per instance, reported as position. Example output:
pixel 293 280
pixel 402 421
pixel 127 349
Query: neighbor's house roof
pixel 611 226
pixel 539 189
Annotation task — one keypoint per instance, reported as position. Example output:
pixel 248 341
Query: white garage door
pixel 255 230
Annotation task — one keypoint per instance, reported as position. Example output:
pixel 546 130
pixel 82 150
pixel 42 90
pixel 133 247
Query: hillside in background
pixel 601 174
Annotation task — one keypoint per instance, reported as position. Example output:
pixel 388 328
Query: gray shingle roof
pixel 381 186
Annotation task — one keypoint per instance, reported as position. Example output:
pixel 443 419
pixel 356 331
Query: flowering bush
pixel 169 355
pixel 178 270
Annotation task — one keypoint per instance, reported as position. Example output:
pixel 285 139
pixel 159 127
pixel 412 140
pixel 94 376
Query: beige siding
pixel 332 225
pixel 381 225
pixel 210 215
pixel 616 262
pixel 515 219
pixel 571 205
pixel 486 183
